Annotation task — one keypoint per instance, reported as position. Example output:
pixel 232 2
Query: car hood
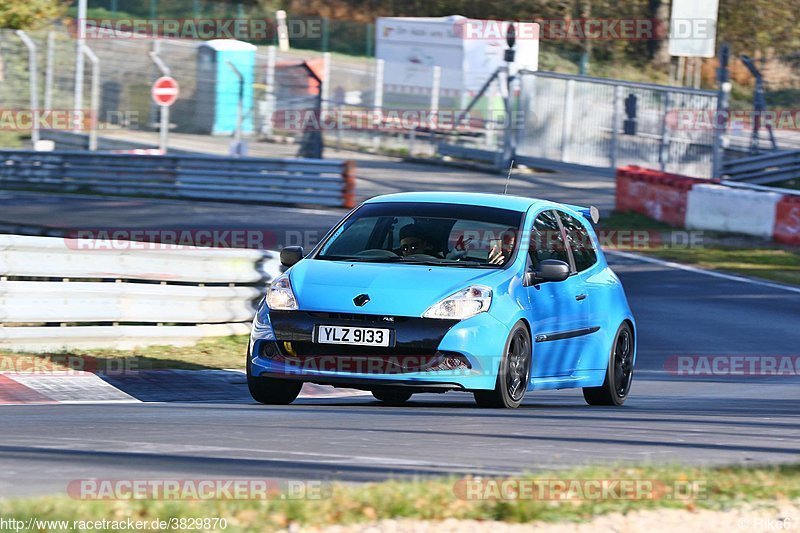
pixel 396 289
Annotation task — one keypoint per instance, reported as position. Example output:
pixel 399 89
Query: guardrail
pixel 324 182
pixel 771 167
pixel 70 293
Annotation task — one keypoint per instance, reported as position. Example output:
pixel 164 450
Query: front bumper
pixel 429 354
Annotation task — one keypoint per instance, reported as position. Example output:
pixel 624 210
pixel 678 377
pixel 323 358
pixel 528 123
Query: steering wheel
pixel 376 252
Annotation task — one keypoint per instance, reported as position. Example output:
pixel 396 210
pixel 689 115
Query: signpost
pixel 164 92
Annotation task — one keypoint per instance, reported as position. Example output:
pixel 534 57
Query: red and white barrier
pixel 787 220
pixel 721 208
pixel 707 205
pixel 658 195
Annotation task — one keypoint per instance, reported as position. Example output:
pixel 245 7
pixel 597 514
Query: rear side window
pixel 580 242
pixel 547 242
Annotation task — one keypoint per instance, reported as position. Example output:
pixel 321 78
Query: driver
pixel 414 240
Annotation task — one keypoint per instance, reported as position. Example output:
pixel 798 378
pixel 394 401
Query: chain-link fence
pixel 366 103
pixel 609 123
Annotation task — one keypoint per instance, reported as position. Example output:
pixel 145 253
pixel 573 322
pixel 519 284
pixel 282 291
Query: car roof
pixel 502 201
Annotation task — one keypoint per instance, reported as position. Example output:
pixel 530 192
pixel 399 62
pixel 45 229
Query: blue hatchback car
pixel 432 292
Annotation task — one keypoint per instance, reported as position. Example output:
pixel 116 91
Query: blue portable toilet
pixel 217 92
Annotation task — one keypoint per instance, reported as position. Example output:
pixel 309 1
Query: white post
pixel 48 75
pixel 377 101
pixel 78 101
pixel 283 31
pixel 698 72
pixel 615 125
pixel 326 85
pixel 95 98
pixel 663 145
pixel 566 124
pixel 164 129
pixel 34 88
pixel 269 97
pixel 681 70
pixel 435 84
pixel 377 98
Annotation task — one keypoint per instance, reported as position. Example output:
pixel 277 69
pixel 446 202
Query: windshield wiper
pixel 449 262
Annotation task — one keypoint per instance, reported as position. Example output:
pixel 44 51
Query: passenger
pixel 501 251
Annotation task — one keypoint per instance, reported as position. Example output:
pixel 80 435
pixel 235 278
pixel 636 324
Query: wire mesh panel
pixel 606 123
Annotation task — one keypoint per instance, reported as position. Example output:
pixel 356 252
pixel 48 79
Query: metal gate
pixel 609 123
pixel 565 120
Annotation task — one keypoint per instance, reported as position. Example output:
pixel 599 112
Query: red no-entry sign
pixel 165 91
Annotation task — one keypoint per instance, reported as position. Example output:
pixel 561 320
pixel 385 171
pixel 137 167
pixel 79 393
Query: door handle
pixel 580 297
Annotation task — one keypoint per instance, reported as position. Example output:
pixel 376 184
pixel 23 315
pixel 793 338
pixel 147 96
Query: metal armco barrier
pixel 60 293
pixel 771 167
pixel 198 177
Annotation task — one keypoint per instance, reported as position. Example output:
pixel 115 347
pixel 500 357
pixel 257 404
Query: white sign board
pixel 693 28
pixel 468 51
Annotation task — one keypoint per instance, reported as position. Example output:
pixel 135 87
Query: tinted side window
pixel 546 240
pixel 579 241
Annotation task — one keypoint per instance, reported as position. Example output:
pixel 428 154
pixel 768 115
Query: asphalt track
pixel 667 419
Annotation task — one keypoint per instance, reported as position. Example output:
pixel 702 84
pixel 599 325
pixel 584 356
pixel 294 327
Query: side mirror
pixel 291 255
pixel 549 270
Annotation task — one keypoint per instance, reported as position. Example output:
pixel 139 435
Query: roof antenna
pixel 508 177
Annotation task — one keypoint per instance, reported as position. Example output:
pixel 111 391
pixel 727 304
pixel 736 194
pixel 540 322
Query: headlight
pixel 463 304
pixel 280 295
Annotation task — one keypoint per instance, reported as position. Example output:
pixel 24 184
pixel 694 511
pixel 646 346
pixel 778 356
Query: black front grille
pixel 367 361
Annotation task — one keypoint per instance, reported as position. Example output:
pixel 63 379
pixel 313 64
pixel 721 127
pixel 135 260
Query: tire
pixel 514 373
pixel 272 391
pixel 619 375
pixel 392 397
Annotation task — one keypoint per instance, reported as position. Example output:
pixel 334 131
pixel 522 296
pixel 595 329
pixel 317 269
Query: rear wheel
pixel 619 375
pixel 514 375
pixel 272 391
pixel 392 397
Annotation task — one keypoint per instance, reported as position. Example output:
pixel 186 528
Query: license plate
pixel 353 335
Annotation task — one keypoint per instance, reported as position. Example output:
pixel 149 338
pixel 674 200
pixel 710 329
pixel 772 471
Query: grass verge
pixel 736 254
pixel 711 488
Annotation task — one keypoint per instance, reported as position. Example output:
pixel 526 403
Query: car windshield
pixel 435 234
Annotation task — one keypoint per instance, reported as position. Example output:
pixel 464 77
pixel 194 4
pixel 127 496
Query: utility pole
pixel 79 65
pixel 508 137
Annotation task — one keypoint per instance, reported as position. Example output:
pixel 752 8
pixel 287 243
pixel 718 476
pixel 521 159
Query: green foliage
pixel 29 14
pixel 437 499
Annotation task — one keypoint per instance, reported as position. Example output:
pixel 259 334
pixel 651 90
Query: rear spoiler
pixel 590 213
